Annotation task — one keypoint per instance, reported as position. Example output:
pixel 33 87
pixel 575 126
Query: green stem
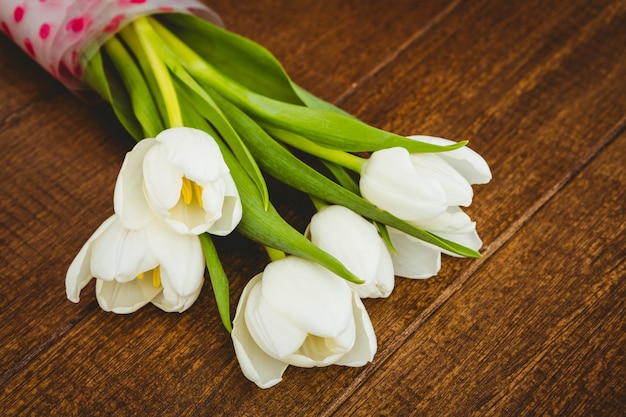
pixel 318 203
pixel 194 63
pixel 146 34
pixel 275 254
pixel 341 158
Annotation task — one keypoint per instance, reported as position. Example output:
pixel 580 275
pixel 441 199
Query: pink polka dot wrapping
pixel 63 35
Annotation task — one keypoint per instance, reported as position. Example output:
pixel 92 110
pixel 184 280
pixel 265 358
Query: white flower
pixel 425 190
pixel 135 267
pixel 419 187
pixel 354 242
pixel 181 178
pixel 298 313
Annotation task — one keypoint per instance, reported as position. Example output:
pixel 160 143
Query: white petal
pixel 170 302
pixel 458 191
pixel 125 297
pixel 195 152
pixel 255 364
pixel 273 332
pixel 318 351
pixel 231 210
pixel 384 281
pixel 354 242
pixel 213 199
pixel 180 257
pixel 121 254
pixel 188 219
pixel 128 198
pixel 414 258
pixel 455 225
pixel 389 181
pixel 163 180
pixel 79 273
pixel 365 344
pixel 466 161
pixel 314 299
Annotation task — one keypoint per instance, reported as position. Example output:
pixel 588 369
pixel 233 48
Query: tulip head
pixel 298 313
pixel 181 178
pixel 426 190
pixel 420 187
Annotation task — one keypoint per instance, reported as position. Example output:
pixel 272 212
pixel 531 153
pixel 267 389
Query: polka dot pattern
pixel 62 35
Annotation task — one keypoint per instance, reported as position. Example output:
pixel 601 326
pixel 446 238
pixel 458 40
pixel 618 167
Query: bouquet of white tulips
pixel 213 112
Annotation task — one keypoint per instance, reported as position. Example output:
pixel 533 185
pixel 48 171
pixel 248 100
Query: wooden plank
pixel 539 330
pixel 57 174
pixel 22 81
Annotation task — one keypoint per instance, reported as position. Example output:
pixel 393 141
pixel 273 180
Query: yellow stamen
pixel 186 191
pixel 191 191
pixel 156 276
pixel 198 189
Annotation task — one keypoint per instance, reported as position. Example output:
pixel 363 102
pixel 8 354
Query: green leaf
pixel 217 67
pixel 331 129
pixel 315 102
pixel 327 128
pixel 143 104
pixel 219 280
pixel 384 234
pixel 96 79
pixel 284 166
pixel 245 61
pixel 101 75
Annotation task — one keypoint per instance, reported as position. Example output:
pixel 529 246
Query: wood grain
pixel 535 327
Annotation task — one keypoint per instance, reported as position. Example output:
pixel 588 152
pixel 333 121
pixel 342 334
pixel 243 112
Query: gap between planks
pixel 392 56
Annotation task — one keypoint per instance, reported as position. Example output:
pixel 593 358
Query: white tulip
pixel 425 190
pixel 354 242
pixel 298 313
pixel 135 267
pixel 181 178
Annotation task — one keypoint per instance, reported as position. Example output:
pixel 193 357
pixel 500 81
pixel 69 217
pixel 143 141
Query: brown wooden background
pixel 536 327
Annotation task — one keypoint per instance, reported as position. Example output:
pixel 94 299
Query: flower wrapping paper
pixel 63 35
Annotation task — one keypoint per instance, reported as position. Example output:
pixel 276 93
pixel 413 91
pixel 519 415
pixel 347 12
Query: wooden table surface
pixel 535 327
